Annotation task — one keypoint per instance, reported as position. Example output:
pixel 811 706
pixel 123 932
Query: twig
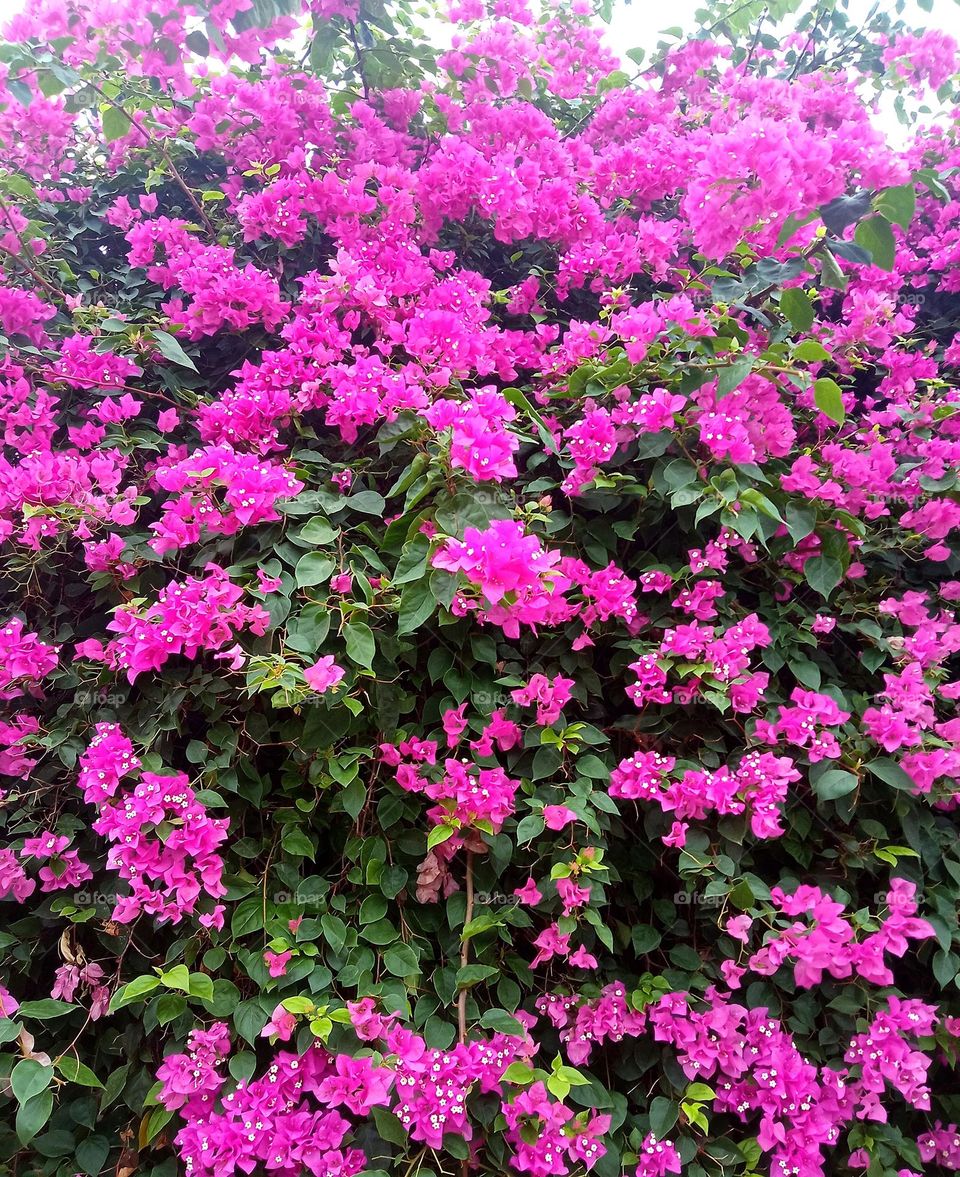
pixel 811 42
pixel 359 52
pixel 462 996
pixel 465 950
pixel 24 262
pixel 756 40
pixel 165 155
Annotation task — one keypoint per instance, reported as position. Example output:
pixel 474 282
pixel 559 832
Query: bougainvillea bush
pixel 480 572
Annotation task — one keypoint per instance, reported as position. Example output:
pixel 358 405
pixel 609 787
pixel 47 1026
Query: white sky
pixel 637 25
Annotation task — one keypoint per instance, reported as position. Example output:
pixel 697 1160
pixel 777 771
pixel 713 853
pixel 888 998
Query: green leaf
pixel 891 774
pixel 897 204
pixel 33 1114
pixel 201 986
pixel 169 347
pixel 876 236
pixel 830 273
pixel 473 974
pixel 314 568
pixel 438 834
pixel 798 308
pixel 417 603
pixel 45 1008
pixel 92 1153
pixel 135 990
pixel 664 1113
pixel 297 843
pixel 354 797
pixel 197 43
pixel 177 978
pixel 695 1116
pixel 28 1078
pixel 835 783
pixel 77 1072
pixel 501 1022
pixel 810 351
pixel 401 961
pixel 318 532
pixel 334 931
pixel 367 502
pixel 380 932
pixel 298 1005
pixel 801 520
pixel 115 122
pixel 931 180
pixel 360 643
pixel 389 1127
pixel 158 1119
pixel 249 1019
pixel 733 376
pixel 829 399
pixel 516 398
pixel 323 45
pixel 247 917
pixel 823 574
pixel 593 767
pixel 644 938
pixel 169 1007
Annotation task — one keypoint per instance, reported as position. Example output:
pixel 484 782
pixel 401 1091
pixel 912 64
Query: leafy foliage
pixel 479 593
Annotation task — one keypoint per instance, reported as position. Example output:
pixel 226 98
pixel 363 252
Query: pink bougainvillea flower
pixel 555 817
pixel 529 893
pixel 268 584
pixel 281 1025
pixel 739 927
pixel 454 724
pixel 324 674
pixel 277 962
pixel 677 835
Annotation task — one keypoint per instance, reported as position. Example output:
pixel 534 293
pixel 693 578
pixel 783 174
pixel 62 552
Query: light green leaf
pixel 360 643
pixel 829 399
pixel 798 309
pixel 169 347
pixel 115 122
pixel 28 1078
pixel 876 236
pixel 897 204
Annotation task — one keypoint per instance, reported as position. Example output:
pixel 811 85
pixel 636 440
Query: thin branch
pixel 160 146
pixel 465 951
pixel 756 40
pixel 462 996
pixel 25 261
pixel 358 49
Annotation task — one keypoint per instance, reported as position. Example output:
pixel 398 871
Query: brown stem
pixel 24 261
pixel 462 996
pixel 465 950
pixel 165 155
pixel 358 49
